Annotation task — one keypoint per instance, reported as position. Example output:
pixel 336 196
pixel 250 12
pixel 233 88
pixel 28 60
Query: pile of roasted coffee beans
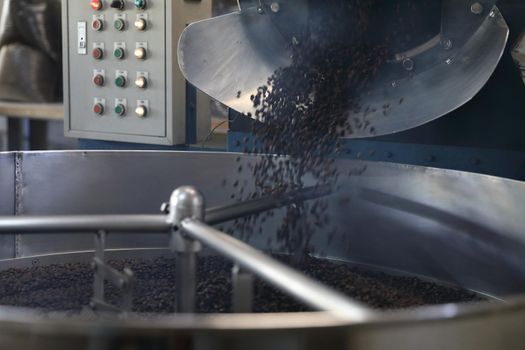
pixel 69 287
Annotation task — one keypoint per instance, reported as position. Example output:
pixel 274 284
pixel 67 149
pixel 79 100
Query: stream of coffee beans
pixel 304 109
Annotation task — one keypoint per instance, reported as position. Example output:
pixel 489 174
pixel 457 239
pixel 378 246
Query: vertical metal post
pixel 185 202
pixel 242 285
pixel 99 275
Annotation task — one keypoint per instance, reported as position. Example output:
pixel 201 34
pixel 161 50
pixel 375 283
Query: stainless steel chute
pixel 238 52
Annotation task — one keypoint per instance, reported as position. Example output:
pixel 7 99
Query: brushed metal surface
pixel 7 201
pixel 239 51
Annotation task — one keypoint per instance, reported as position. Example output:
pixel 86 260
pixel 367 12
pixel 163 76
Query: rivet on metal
pixel 446 43
pixel 492 14
pixel 260 10
pixel 448 61
pixel 476 8
pixel 408 64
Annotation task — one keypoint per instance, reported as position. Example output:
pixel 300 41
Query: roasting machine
pixel 452 228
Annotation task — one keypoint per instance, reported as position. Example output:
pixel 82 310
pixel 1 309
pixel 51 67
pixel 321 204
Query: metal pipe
pixel 85 224
pixel 303 288
pixel 185 202
pixel 150 223
pixel 238 210
pixel 186 282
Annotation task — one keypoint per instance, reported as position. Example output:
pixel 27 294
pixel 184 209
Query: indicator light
pixel 119 53
pixel 141 82
pixel 141 111
pixel 119 24
pixel 141 4
pixel 98 109
pixel 140 53
pixel 96 5
pixel 120 81
pixel 120 110
pixel 98 80
pixel 97 25
pixel 141 24
pixel 97 53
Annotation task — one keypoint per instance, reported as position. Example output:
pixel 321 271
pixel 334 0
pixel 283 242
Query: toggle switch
pixel 97 53
pixel 118 4
pixel 120 110
pixel 141 111
pixel 97 25
pixel 98 109
pixel 98 80
pixel 119 24
pixel 119 53
pixel 96 5
pixel 140 53
pixel 120 81
pixel 141 82
pixel 141 24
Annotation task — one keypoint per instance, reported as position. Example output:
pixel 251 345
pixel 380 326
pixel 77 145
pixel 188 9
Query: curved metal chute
pixel 229 57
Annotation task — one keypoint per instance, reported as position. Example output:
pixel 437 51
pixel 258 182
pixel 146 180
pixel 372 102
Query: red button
pixel 98 53
pixel 98 109
pixel 96 5
pixel 98 80
pixel 97 25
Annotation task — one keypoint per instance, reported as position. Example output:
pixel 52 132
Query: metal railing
pixel 187 220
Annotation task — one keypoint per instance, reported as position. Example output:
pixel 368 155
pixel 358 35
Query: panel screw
pixel 492 14
pixel 476 8
pixel 408 64
pixel 446 43
pixel 260 10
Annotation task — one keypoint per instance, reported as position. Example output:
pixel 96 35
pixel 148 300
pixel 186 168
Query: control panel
pixel 121 76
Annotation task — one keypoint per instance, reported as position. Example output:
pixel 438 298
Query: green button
pixel 120 110
pixel 119 24
pixel 120 81
pixel 141 4
pixel 119 53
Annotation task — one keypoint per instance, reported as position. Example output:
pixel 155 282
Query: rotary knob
pixel 118 4
pixel 98 109
pixel 141 111
pixel 120 110
pixel 97 25
pixel 141 82
pixel 98 80
pixel 97 53
pixel 140 53
pixel 141 24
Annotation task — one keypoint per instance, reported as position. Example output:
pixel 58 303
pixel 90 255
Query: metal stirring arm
pixel 185 222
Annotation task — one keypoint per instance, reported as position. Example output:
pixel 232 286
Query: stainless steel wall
pixel 453 226
pixel 7 200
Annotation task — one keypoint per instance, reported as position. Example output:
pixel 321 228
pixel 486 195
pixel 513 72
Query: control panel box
pixel 121 76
